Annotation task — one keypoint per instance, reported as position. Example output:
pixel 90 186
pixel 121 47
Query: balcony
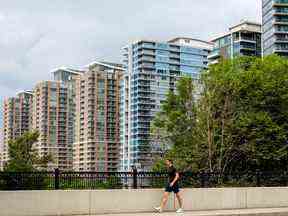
pixel 146 65
pixel 281 11
pixel 147 45
pixel 174 62
pixel 247 47
pixel 281 49
pixel 146 52
pixel 281 39
pixel 174 48
pixel 247 40
pixel 146 58
pixel 280 3
pixel 174 56
pixel 214 54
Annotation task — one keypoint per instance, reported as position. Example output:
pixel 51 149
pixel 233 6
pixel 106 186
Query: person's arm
pixel 175 179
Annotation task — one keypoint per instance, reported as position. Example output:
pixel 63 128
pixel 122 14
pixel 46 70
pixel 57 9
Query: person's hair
pixel 170 161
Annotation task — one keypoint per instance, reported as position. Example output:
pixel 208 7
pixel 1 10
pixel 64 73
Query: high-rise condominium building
pixel 275 27
pixel 66 74
pixel 16 119
pixel 51 118
pixel 69 77
pixel 1 148
pixel 1 162
pixel 97 128
pixel 243 39
pixel 124 123
pixel 152 69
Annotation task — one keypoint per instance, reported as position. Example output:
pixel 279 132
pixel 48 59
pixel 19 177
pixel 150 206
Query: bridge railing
pixel 120 180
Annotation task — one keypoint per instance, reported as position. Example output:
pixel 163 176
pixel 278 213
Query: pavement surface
pixel 240 212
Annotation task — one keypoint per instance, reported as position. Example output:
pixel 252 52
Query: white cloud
pixel 2 17
pixel 37 36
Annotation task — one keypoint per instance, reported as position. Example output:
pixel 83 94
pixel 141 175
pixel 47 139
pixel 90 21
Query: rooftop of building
pixel 24 92
pixel 111 65
pixel 179 41
pixel 70 70
pixel 192 42
pixel 45 82
pixel 244 25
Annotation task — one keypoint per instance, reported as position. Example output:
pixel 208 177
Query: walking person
pixel 172 186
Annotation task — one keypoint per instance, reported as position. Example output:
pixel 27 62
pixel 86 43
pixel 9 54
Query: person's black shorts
pixel 175 188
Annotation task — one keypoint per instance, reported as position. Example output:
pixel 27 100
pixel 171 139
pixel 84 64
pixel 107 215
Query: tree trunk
pixel 223 132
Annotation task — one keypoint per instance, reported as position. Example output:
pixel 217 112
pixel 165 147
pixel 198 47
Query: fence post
pixel 258 178
pixel 203 179
pixel 56 178
pixel 135 172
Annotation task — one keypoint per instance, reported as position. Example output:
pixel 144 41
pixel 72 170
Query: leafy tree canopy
pixel 23 157
pixel 239 122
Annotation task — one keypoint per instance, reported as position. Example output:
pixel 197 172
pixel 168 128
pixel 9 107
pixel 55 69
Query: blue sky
pixel 37 36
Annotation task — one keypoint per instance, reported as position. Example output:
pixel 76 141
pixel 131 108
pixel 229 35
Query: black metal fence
pixel 120 180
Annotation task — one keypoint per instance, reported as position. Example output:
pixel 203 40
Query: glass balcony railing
pixel 282 39
pixel 281 29
pixel 214 54
pixel 148 59
pixel 281 10
pixel 148 45
pixel 281 1
pixel 174 56
pixel 282 48
pixel 249 39
pixel 247 46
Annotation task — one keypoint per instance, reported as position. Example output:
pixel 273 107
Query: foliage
pixel 174 126
pixel 110 182
pixel 239 122
pixel 23 157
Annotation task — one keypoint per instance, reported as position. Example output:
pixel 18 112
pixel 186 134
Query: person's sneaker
pixel 180 210
pixel 158 209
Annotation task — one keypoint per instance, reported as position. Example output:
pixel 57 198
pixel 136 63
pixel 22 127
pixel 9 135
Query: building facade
pixel 1 162
pixel 275 27
pixel 1 148
pixel 69 77
pixel 152 70
pixel 124 123
pixel 16 119
pixel 243 39
pixel 51 118
pixel 97 127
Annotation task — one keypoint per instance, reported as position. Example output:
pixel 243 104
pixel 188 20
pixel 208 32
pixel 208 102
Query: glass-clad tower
pixel 275 27
pixel 243 39
pixel 152 69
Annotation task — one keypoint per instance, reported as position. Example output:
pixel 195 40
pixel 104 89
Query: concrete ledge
pixel 85 202
pixel 115 201
pixel 236 212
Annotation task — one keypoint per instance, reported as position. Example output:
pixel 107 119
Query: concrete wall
pixel 39 203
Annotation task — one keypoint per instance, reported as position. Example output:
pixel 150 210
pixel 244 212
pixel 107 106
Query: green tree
pixel 242 113
pixel 23 157
pixel 173 127
pixel 239 122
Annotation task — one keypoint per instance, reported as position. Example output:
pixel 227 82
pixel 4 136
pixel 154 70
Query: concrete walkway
pixel 240 212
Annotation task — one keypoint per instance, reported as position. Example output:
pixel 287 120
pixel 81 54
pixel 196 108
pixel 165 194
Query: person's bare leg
pixel 180 200
pixel 164 200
